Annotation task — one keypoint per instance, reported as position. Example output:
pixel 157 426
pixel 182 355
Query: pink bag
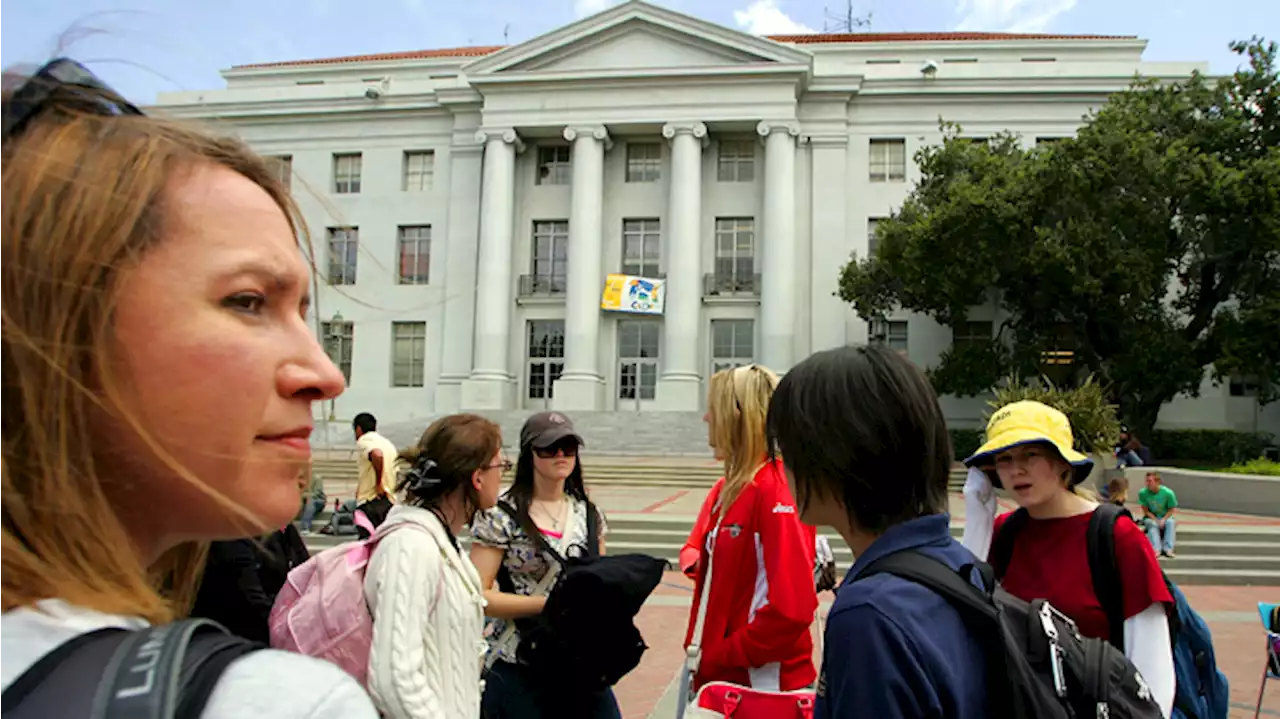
pixel 722 699
pixel 321 610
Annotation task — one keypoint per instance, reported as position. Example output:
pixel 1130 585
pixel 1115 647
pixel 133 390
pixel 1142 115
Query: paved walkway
pixel 1232 614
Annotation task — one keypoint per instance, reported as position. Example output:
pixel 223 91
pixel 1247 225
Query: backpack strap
pixel 1100 543
pixel 938 577
pixel 593 530
pixel 158 672
pixel 1001 552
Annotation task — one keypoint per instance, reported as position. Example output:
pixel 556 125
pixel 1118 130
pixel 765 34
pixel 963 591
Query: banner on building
pixel 637 295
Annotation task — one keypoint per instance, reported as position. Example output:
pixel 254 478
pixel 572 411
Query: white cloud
pixel 583 8
pixel 764 17
pixel 1010 15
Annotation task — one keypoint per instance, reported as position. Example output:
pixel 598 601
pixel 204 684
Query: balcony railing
pixel 729 285
pixel 542 285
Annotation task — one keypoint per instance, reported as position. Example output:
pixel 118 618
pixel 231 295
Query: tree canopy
pixel 1148 245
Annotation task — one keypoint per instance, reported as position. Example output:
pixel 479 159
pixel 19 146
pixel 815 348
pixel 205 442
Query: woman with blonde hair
pixel 148 268
pixel 761 600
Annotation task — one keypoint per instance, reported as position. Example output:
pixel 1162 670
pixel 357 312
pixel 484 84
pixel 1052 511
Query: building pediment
pixel 638 38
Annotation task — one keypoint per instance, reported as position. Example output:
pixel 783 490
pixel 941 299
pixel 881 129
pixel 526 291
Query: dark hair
pixel 863 425
pixel 446 456
pixel 365 422
pixel 520 493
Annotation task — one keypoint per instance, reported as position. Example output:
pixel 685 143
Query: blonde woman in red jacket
pixel 762 599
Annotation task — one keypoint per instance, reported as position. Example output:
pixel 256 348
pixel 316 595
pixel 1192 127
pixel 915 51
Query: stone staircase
pixel 681 434
pixel 1207 554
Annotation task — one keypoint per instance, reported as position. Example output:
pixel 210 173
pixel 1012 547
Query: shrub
pixel 964 442
pixel 1221 446
pixel 1260 465
pixel 1093 420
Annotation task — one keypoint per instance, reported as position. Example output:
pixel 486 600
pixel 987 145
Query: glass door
pixel 544 363
pixel 637 364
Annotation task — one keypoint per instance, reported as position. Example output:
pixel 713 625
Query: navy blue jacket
pixel 895 649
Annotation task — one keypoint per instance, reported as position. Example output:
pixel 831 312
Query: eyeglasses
pixel 570 449
pixel 505 464
pixel 63 73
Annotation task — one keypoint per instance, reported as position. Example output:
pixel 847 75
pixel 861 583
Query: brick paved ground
pixel 1230 611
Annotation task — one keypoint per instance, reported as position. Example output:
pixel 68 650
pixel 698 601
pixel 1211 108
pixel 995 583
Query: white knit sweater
pixel 428 616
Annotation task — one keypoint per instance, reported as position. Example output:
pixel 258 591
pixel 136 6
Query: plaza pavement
pixel 648 692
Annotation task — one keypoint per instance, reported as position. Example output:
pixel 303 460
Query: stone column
pixel 778 246
pixel 581 387
pixel 680 386
pixel 490 385
pixel 462 229
pixel 829 239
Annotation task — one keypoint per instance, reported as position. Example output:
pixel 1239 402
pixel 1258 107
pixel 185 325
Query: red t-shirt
pixel 1050 561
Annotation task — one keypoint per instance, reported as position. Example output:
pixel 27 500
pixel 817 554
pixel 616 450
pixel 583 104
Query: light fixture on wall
pixel 879 329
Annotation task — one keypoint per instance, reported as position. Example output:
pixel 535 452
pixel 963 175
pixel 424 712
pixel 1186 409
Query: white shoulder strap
pixel 693 655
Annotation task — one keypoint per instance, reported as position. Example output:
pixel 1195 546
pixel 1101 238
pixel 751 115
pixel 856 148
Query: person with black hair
pixel 866 452
pixel 546 506
pixel 424 594
pixel 376 486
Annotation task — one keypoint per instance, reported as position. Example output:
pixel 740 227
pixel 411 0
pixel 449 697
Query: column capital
pixel 768 127
pixel 506 134
pixel 598 132
pixel 697 129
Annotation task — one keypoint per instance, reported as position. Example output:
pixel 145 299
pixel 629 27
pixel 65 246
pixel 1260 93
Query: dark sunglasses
pixel 33 96
pixel 569 448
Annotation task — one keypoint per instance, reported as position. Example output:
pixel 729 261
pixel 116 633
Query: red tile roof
pixel 825 37
pixel 814 38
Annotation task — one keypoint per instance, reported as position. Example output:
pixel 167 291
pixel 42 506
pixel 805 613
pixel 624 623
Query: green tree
pixel 1148 246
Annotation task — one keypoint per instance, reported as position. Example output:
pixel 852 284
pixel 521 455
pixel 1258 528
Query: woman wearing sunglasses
pixel 546 507
pixel 147 268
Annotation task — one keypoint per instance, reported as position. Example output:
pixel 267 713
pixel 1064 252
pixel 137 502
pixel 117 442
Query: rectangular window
pixel 283 166
pixel 732 343
pixel 873 241
pixel 644 161
pixel 338 338
pixel 419 169
pixel 735 251
pixel 553 165
pixel 641 247
pixel 408 353
pixel 344 244
pixel 892 333
pixel 415 254
pixel 736 161
pixel 550 268
pixel 546 357
pixel 888 160
pixel 346 173
pixel 971 334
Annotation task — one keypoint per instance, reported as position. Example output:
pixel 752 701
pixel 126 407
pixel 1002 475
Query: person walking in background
pixel 159 381
pixel 242 578
pixel 755 569
pixel 376 486
pixel 1159 504
pixel 424 594
pixel 867 452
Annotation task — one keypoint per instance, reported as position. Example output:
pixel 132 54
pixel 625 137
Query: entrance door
pixel 637 364
pixel 545 362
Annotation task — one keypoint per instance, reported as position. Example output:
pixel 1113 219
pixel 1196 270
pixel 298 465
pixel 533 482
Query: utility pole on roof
pixel 846 22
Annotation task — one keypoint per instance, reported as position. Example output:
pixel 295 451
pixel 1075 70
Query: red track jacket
pixel 762 600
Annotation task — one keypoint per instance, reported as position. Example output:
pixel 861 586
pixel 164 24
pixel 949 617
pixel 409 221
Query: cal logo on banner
pixel 638 295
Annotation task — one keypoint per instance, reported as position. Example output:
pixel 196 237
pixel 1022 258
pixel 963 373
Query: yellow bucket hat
pixel 1028 422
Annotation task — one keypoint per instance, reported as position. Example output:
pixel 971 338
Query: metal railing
pixel 542 285
pixel 715 284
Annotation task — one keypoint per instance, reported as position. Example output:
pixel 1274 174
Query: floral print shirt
pixel 522 559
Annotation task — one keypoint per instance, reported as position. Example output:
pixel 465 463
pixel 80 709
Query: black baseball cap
pixel 547 428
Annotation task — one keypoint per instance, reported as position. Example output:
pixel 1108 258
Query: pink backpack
pixel 321 610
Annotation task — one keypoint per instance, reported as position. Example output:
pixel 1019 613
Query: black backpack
pixel 1038 665
pixel 160 672
pixel 1202 691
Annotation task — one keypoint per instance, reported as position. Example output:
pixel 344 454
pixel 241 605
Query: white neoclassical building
pixel 467 205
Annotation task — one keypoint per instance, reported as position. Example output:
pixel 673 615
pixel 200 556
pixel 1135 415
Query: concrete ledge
pixel 1214 491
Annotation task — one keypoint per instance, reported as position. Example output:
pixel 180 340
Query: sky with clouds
pixel 147 46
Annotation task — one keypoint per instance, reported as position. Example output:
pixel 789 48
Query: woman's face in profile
pixel 217 361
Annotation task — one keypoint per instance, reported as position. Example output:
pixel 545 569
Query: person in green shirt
pixel 1159 504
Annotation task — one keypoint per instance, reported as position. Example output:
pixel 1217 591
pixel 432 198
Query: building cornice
pixel 679 74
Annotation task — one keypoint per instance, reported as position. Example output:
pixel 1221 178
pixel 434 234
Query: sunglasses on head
pixel 569 447
pixel 34 96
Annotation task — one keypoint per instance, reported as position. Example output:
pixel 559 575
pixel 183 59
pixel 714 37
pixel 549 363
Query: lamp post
pixel 879 329
pixel 333 341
